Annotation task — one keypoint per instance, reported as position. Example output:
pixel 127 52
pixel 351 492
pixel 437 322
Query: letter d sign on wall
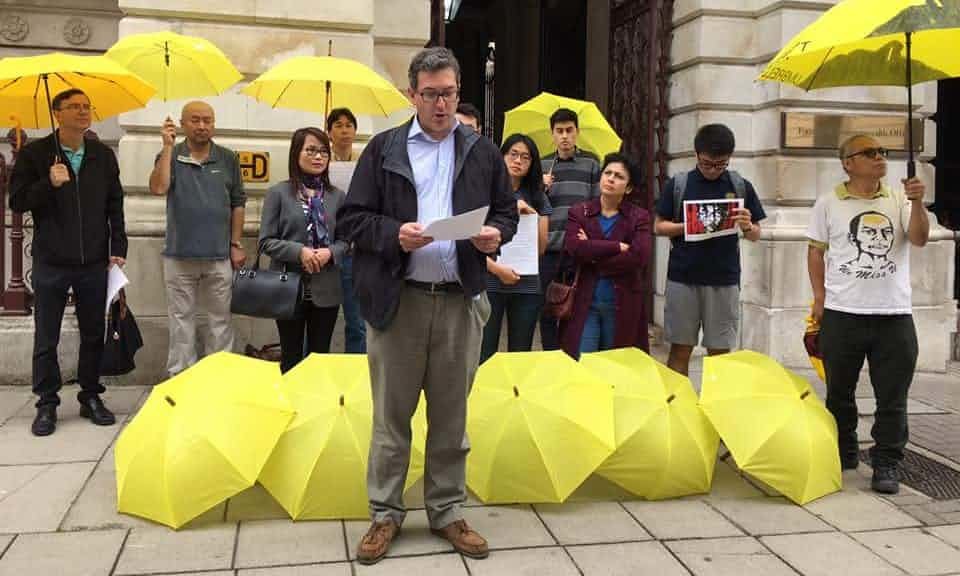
pixel 254 166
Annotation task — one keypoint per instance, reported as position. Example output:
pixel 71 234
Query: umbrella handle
pixel 911 165
pixel 56 137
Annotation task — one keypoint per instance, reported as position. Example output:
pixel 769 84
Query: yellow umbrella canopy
pixel 539 424
pixel 871 43
pixel 200 438
pixel 177 66
pixel 319 467
pixel 666 448
pixel 774 424
pixel 28 84
pixel 301 82
pixel 533 119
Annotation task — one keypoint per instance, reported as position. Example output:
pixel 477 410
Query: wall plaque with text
pixel 254 166
pixel 828 131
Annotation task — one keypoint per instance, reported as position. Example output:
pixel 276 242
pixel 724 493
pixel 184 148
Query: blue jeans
pixel 522 311
pixel 354 330
pixel 599 331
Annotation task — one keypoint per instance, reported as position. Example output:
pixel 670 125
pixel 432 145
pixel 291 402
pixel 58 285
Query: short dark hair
pixel 432 59
pixel 66 95
pixel 533 181
pixel 296 147
pixel 564 115
pixel 715 140
pixel 633 172
pixel 468 109
pixel 338 113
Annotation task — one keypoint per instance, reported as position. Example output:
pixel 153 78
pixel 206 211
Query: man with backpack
pixel 703 277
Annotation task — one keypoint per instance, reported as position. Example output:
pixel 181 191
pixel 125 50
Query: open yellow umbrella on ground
pixel 533 119
pixel 28 84
pixel 301 82
pixel 177 66
pixel 539 424
pixel 773 423
pixel 666 448
pixel 200 438
pixel 874 43
pixel 319 467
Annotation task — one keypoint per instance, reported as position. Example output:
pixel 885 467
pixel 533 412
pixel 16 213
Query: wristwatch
pixel 236 244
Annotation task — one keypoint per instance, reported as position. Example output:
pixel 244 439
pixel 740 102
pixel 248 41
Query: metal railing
pixel 15 298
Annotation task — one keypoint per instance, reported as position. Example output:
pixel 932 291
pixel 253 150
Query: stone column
pixel 719 49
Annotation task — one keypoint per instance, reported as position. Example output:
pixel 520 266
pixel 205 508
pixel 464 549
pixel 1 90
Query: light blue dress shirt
pixel 433 163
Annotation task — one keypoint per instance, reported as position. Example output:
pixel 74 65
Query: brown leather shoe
pixel 465 539
pixel 375 543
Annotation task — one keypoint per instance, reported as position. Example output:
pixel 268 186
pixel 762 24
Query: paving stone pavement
pixel 58 518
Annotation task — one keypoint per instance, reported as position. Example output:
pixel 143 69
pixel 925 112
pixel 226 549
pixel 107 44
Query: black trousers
pixel 50 286
pixel 889 344
pixel 318 324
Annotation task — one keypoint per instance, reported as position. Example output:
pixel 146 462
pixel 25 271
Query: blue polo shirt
pixel 714 262
pixel 74 157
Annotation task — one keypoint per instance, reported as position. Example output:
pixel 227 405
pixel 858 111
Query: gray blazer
pixel 283 234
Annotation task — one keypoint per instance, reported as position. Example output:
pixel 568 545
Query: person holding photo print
pixel 703 277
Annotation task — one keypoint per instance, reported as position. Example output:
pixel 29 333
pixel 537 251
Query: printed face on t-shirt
pixel 874 234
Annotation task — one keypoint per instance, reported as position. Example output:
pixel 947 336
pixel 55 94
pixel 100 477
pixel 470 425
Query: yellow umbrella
pixel 666 448
pixel 200 438
pixel 773 423
pixel 871 43
pixel 533 119
pixel 319 468
pixel 177 66
pixel 28 83
pixel 300 83
pixel 539 424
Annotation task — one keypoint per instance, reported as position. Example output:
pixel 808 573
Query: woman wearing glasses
pixel 512 295
pixel 297 231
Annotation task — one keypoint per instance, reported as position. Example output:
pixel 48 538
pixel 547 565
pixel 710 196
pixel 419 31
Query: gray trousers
pixel 188 281
pixel 433 344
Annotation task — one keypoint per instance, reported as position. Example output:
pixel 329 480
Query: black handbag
pixel 122 341
pixel 265 293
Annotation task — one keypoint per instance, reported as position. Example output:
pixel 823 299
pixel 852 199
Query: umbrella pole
pixel 56 137
pixel 911 165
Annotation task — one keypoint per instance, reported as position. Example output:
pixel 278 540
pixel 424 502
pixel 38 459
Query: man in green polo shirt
pixel 205 201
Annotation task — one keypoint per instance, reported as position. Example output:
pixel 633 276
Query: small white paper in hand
pixel 459 227
pixel 116 280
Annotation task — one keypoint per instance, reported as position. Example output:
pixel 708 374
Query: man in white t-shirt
pixel 859 266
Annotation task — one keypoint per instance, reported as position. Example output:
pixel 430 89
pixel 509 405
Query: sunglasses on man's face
pixel 871 153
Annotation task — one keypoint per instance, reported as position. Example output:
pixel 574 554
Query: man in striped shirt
pixel 570 175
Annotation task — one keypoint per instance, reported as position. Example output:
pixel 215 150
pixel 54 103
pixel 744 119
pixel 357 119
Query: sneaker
pixel 376 542
pixel 885 480
pixel 46 420
pixel 94 410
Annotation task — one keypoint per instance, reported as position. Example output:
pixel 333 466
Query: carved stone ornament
pixel 14 28
pixel 76 31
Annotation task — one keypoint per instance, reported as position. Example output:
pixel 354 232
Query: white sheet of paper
pixel 459 227
pixel 116 280
pixel 341 173
pixel 521 252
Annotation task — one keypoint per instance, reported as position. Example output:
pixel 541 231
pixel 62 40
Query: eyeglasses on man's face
pixel 76 107
pixel 871 153
pixel 314 152
pixel 713 164
pixel 431 96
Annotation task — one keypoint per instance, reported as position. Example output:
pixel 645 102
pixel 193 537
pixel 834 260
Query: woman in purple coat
pixel 609 240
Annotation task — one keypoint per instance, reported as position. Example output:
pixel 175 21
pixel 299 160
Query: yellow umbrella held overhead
pixel 301 82
pixel 666 447
pixel 774 424
pixel 539 424
pixel 318 469
pixel 871 43
pixel 28 84
pixel 177 66
pixel 533 119
pixel 200 438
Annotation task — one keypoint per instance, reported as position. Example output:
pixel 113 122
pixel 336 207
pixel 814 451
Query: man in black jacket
pixel 424 300
pixel 71 185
